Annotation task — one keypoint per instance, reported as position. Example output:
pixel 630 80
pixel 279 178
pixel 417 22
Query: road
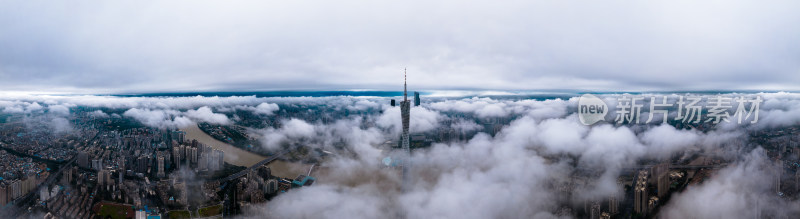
pixel 263 162
pixel 674 167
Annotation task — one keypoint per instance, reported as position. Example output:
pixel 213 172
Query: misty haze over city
pixel 447 109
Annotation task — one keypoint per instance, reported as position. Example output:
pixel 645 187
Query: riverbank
pixel 233 155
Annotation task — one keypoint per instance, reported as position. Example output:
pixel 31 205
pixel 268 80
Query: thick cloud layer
pixel 420 120
pixel 206 115
pixel 743 190
pixel 158 118
pixel 513 174
pixel 208 45
pixel 292 129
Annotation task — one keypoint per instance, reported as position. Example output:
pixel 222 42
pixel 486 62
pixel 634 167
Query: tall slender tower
pixel 405 108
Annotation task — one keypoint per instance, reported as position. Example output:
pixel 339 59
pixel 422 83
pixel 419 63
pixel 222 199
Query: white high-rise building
pixel 202 162
pixel 101 177
pixel 194 155
pixel 220 158
pixel 272 186
pixel 640 202
pixel 613 205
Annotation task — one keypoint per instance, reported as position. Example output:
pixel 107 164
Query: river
pixel 233 155
pixel 240 157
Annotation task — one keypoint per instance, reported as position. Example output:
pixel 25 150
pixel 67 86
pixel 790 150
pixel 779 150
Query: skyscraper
pixel 594 212
pixel 202 161
pixel 97 164
pixel 176 154
pixel 272 186
pixel 193 156
pixel 661 172
pixel 220 159
pixel 181 136
pixel 83 159
pixel 121 170
pixel 613 205
pixel 160 169
pixel 777 177
pixel 640 193
pixel 141 164
pixel 101 175
pixel 416 98
pixel 405 107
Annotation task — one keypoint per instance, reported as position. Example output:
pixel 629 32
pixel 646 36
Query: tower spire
pixel 405 110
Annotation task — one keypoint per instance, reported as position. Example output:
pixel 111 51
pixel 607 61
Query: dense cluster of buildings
pixel 147 152
pixel 161 169
pixel 144 166
pixel 19 176
pixel 34 138
pixel 112 163
pixel 138 167
pixel 259 186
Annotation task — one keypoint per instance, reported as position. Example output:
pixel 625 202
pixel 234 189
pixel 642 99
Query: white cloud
pixel 328 201
pixel 297 128
pixel 266 108
pixel 291 130
pixel 60 125
pixel 98 114
pixel 58 109
pixel 420 120
pixel 13 109
pixel 362 105
pixel 206 115
pixel 464 126
pixel 665 139
pixel 482 107
pixel 158 118
pixel 33 107
pixel 742 190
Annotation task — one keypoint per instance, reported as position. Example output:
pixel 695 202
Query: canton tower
pixel 405 107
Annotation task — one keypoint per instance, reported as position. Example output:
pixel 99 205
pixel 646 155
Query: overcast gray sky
pixel 143 46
